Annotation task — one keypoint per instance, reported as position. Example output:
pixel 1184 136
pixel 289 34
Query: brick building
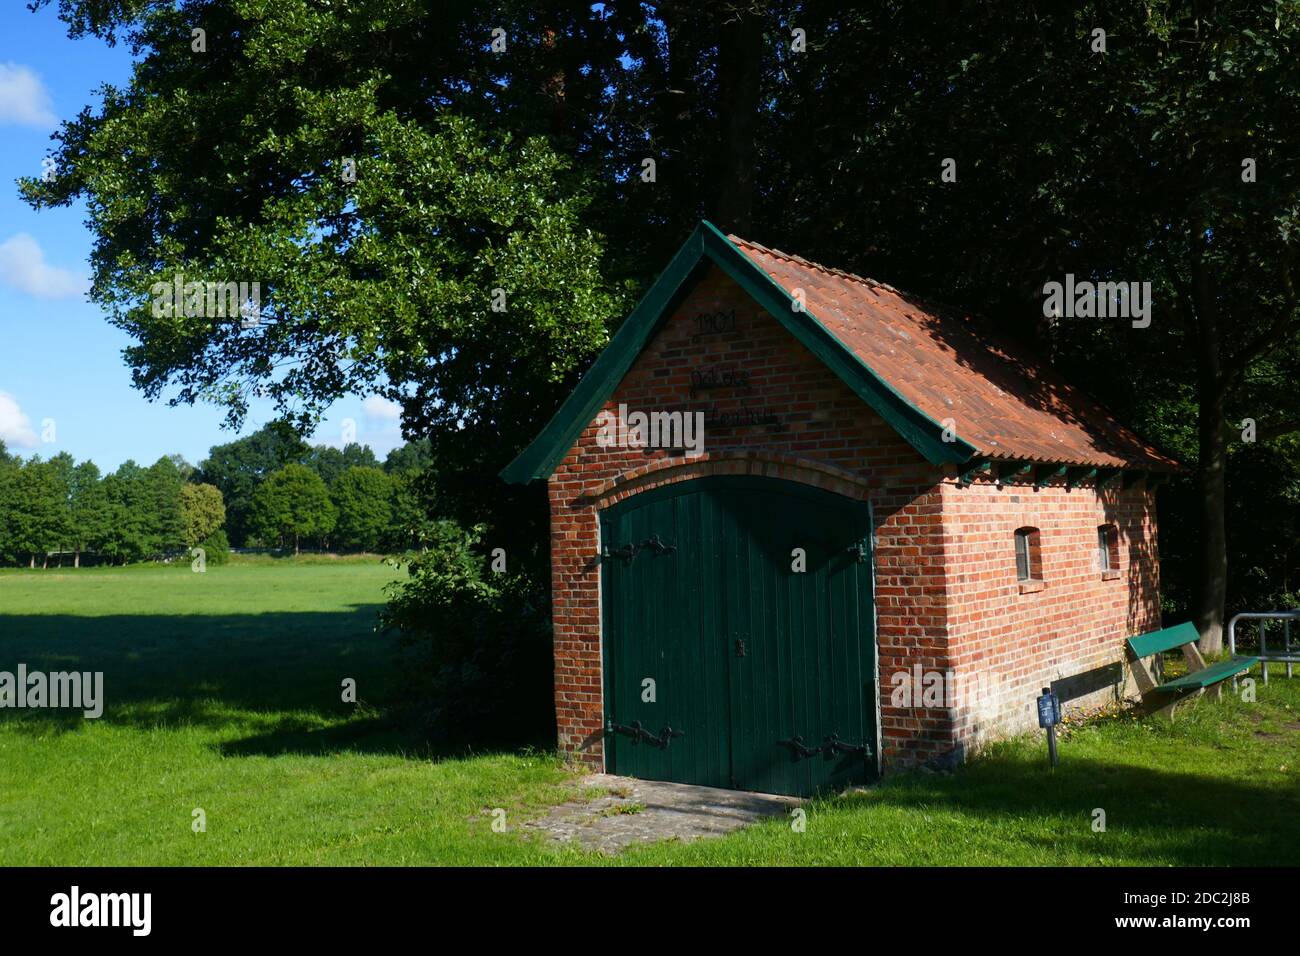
pixel 805 528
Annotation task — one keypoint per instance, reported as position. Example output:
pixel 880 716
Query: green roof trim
pixel 708 245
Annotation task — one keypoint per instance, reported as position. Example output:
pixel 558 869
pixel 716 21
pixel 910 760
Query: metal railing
pixel 1288 655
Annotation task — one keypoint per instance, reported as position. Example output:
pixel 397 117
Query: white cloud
pixel 23 267
pixel 379 409
pixel 24 100
pixel 15 429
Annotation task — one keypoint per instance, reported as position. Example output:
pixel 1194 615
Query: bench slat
pixel 1210 675
pixel 1144 645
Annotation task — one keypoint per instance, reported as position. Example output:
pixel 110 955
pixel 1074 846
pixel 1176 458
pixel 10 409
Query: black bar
pixel 332 908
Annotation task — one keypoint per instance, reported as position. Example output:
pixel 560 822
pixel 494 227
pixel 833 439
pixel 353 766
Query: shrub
pixel 477 643
pixel 216 547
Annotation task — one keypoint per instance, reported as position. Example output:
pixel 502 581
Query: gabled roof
pixel 1004 401
pixel 914 364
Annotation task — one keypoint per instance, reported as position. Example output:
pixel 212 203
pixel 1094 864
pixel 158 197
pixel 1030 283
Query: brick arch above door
pixel 667 471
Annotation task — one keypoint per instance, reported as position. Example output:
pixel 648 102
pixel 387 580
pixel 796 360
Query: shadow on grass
pixel 1187 817
pixel 280 672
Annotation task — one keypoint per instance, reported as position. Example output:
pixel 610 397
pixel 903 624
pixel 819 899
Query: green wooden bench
pixel 1199 677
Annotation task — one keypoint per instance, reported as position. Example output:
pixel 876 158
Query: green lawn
pixel 223 693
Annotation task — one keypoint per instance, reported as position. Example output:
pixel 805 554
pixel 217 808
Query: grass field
pixel 224 693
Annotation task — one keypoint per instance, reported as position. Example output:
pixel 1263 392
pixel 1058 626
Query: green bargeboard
pixel 806 666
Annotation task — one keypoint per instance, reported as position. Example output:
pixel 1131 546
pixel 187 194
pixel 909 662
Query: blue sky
pixel 63 383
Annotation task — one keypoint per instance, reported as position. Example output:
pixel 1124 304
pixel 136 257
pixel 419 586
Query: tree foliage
pixel 330 462
pixel 291 504
pixel 521 171
pixel 1128 164
pixel 363 501
pixel 90 512
pixel 202 512
pixel 60 510
pixel 238 467
pixel 477 642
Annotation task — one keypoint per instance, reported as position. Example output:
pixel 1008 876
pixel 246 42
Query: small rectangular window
pixel 1022 555
pixel 1108 550
pixel 1029 561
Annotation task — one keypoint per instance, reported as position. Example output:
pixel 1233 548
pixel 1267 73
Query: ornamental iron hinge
pixel 833 745
pixel 836 746
pixel 630 551
pixel 796 744
pixel 861 550
pixel 639 734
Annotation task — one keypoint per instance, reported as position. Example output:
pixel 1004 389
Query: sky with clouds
pixel 63 383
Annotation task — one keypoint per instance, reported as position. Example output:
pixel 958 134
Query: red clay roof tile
pixel 1001 400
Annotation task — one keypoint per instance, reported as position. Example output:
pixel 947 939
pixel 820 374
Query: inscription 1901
pixel 714 323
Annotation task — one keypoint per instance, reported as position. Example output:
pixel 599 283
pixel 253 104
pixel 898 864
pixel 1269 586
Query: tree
pixel 292 503
pixel 459 275
pixel 238 467
pixel 330 462
pixel 1126 165
pixel 39 497
pixel 59 506
pixel 479 642
pixel 363 500
pixel 61 532
pixel 38 513
pixel 202 512
pixel 90 510
pixel 410 525
pixel 132 526
pixel 456 261
pixel 412 457
pixel 414 499
pixel 478 172
pixel 57 532
pixel 9 466
pixel 165 481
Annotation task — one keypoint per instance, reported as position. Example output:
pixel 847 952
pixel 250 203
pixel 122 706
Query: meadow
pixel 224 695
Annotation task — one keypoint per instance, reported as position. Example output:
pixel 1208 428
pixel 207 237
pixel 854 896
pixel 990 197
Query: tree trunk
pixel 295 544
pixel 31 564
pixel 740 73
pixel 674 102
pixel 553 88
pixel 1212 577
pixel 76 559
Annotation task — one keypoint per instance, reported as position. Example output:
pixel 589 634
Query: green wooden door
pixel 719 652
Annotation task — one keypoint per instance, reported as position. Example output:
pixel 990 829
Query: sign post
pixel 1049 715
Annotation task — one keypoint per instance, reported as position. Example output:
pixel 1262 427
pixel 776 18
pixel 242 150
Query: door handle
pixel 741 650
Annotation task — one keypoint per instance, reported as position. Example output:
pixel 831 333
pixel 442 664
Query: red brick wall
pixel 1068 633
pixel 827 437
